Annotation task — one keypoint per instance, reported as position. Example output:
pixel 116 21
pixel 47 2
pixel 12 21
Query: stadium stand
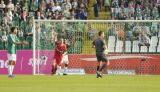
pixel 21 12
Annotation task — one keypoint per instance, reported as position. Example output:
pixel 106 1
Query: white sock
pixel 65 69
pixel 59 69
pixel 12 68
pixel 9 70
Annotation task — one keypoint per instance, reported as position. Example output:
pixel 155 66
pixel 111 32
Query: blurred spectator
pixel 143 39
pixel 26 4
pixel 3 38
pixel 10 5
pixel 91 33
pixel 9 15
pixel 73 14
pixel 54 34
pixel 42 6
pixel 66 13
pixel 138 12
pixel 24 15
pixel 49 15
pixel 39 15
pixel 107 4
pixel 82 14
pixel 2 5
pixel 57 7
pixel 96 10
pixel 155 13
pixel 100 2
pixel 57 15
pixel 146 13
pixel 34 6
pixel 74 4
pixel 1 33
pixel 28 34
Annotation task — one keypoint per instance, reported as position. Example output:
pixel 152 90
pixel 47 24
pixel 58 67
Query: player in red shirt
pixel 60 48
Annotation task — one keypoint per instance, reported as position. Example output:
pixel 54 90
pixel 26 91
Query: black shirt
pixel 99 45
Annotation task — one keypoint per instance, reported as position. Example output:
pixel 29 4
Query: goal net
pixel 125 39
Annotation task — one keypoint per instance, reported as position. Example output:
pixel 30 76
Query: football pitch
pixel 79 83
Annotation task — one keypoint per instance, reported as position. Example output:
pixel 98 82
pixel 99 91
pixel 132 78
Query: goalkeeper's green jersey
pixel 11 43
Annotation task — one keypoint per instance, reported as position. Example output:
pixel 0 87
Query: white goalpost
pixel 121 36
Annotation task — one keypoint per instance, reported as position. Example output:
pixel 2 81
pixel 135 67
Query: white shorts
pixel 65 59
pixel 12 57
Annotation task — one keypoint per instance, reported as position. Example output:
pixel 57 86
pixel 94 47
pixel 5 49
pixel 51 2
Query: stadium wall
pixel 119 63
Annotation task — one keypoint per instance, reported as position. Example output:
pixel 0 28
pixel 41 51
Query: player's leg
pixel 98 65
pixel 65 61
pixel 11 64
pixel 9 68
pixel 59 64
pixel 54 67
pixel 103 64
pixel 59 69
pixel 98 61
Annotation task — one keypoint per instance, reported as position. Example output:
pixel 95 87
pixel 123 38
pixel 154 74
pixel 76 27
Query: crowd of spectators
pixel 128 9
pixel 21 12
pixel 133 9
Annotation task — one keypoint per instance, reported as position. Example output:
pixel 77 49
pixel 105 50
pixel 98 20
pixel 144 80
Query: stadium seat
pixel 135 47
pixel 158 42
pixel 158 48
pixel 152 49
pixel 127 46
pixel 143 49
pixel 111 49
pixel 111 41
pixel 119 46
pixel 154 41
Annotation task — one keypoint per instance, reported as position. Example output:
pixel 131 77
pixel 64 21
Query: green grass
pixel 86 83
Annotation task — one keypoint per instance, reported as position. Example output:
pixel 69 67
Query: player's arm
pixel 56 48
pixel 93 44
pixel 65 49
pixel 16 41
pixel 104 44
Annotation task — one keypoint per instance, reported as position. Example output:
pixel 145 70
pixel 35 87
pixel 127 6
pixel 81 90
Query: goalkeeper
pixel 59 50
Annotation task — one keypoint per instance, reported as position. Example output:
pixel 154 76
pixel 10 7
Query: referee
pixel 100 46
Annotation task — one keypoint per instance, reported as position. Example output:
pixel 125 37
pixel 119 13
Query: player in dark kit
pixel 100 46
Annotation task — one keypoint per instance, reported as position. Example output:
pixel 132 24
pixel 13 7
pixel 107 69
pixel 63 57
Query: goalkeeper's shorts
pixel 65 59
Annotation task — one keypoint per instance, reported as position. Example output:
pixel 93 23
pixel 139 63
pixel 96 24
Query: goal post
pixel 122 37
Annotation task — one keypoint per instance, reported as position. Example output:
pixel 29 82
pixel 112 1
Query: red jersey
pixel 58 54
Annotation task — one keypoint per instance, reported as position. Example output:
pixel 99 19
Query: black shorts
pixel 101 57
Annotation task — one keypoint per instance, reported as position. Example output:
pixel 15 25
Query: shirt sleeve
pixel 17 39
pixel 103 42
pixel 11 39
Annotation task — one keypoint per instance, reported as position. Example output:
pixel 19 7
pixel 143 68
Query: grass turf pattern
pixel 84 83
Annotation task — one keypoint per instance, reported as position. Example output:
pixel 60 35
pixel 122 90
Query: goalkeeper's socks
pixel 54 69
pixel 59 70
pixel 65 71
pixel 9 70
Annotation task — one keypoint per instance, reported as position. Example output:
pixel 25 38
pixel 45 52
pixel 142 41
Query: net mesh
pixel 122 37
